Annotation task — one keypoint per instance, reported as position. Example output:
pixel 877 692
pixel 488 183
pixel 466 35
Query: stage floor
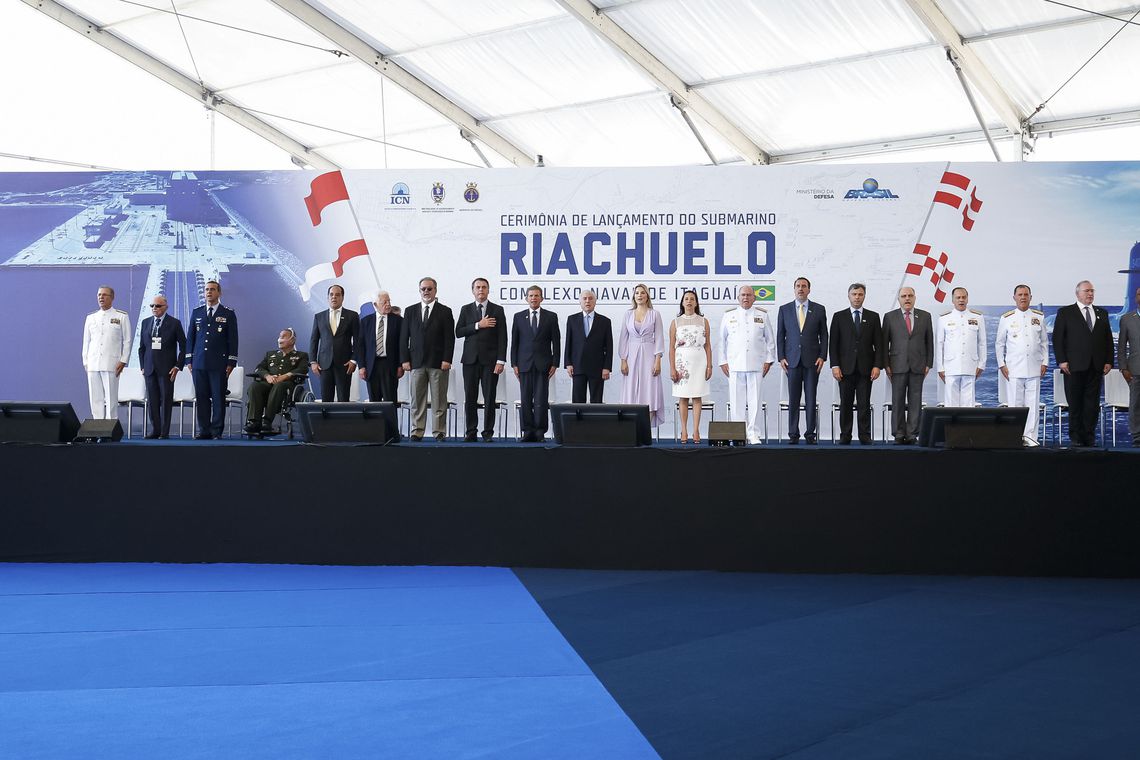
pixel 768 508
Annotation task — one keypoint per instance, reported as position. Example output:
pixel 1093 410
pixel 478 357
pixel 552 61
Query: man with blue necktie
pixel 211 355
pixel 589 350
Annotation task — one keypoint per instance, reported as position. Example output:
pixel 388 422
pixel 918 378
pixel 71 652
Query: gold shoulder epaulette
pixel 1009 313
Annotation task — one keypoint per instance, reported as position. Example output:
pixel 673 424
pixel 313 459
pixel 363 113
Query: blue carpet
pixel 717 665
pixel 210 661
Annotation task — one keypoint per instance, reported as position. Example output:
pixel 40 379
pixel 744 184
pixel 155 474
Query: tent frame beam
pixel 681 94
pixel 301 154
pixel 317 18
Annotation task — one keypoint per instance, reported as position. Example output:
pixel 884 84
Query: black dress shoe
pixel 164 436
pixel 865 441
pixel 530 438
pixel 469 438
pixel 488 438
pixel 203 437
pixel 809 440
pixel 439 436
pixel 150 436
pixel 844 441
pixel 416 438
pixel 253 427
pixel 793 441
pixel 900 441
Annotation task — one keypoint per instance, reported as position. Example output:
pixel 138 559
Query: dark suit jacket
pixel 327 349
pixel 212 344
pixel 366 340
pixel 589 355
pixel 427 345
pixel 531 350
pixel 487 346
pixel 1073 343
pixel 908 353
pixel 801 347
pixel 856 356
pixel 173 351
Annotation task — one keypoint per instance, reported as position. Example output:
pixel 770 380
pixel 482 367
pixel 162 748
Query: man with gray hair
pixel 378 349
pixel 589 350
pixel 908 341
pixel 1082 343
pixel 106 350
pixel 274 379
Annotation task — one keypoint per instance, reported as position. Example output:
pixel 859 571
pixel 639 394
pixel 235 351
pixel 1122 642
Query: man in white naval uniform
pixel 106 348
pixel 747 351
pixel 960 349
pixel 1022 352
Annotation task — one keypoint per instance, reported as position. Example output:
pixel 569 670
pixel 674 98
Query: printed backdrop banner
pixel 278 240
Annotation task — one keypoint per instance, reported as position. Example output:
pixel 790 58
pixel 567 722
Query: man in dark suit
pixel 856 356
pixel 211 355
pixel 535 348
pixel 332 346
pixel 801 347
pixel 1082 343
pixel 1128 357
pixel 378 350
pixel 908 342
pixel 427 345
pixel 589 350
pixel 483 327
pixel 162 351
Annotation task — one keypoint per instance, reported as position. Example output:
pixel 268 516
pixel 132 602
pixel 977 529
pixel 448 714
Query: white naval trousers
pixel 744 398
pixel 1026 391
pixel 103 389
pixel 960 390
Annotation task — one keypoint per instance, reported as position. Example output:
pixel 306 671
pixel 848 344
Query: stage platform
pixel 770 508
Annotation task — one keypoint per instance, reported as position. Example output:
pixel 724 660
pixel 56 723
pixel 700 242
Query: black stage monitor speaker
pixel 99 431
pixel 728 434
pixel 601 424
pixel 972 427
pixel 348 422
pixel 37 421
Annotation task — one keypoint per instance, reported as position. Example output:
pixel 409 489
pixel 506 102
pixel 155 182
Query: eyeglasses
pixel 426 289
pixel 158 306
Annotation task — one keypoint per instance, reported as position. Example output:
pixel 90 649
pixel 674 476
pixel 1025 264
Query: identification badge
pixel 219 319
pixel 155 344
pixel 758 320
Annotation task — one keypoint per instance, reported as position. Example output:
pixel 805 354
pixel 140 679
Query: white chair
pixel 1003 400
pixel 132 393
pixel 763 418
pixel 708 407
pixel 1115 397
pixel 1060 403
pixel 500 405
pixel 183 395
pixel 235 396
pixel 785 407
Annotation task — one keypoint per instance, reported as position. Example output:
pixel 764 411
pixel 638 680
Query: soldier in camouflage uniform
pixel 276 376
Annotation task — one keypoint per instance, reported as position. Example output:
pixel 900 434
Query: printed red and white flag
pixel 935 266
pixel 959 192
pixel 337 229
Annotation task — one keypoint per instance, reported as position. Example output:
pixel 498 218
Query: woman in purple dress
pixel 641 343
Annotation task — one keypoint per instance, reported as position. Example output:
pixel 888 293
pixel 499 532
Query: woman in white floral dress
pixel 690 356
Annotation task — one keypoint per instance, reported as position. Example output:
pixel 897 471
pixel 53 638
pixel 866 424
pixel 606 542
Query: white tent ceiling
pixel 362 84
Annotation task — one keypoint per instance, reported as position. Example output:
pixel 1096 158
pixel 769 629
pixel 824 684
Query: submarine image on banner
pixel 1133 272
